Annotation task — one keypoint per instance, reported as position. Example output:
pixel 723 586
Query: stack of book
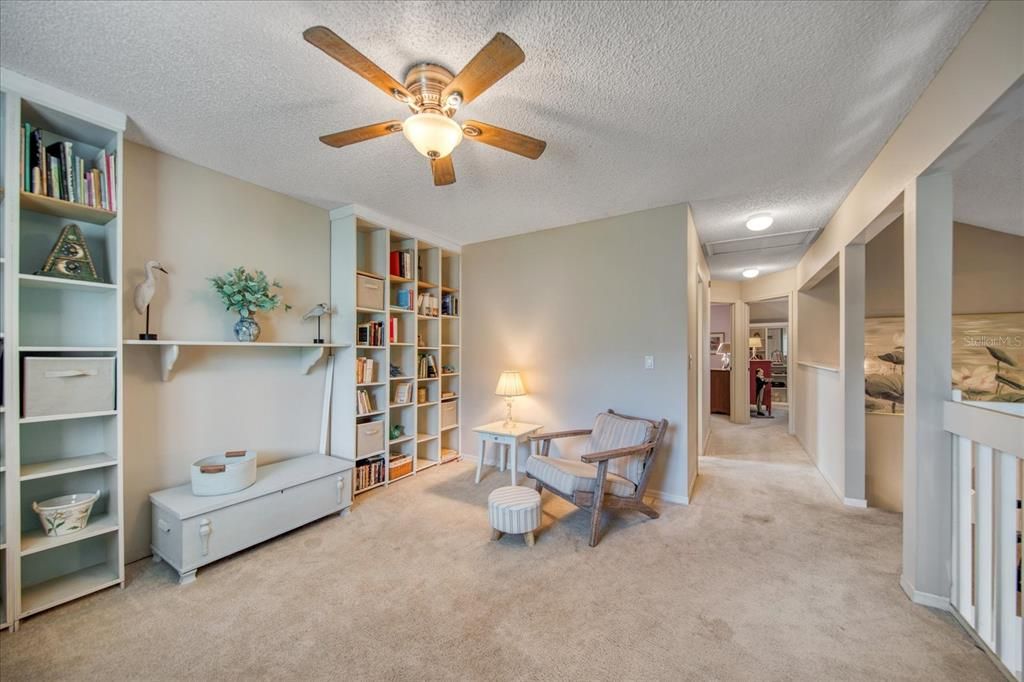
pixel 401 264
pixel 54 170
pixel 450 304
pixel 370 472
pixel 426 304
pixel 364 402
pixel 366 368
pixel 370 333
pixel 427 367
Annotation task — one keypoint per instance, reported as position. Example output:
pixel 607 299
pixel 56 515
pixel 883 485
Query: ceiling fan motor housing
pixel 426 82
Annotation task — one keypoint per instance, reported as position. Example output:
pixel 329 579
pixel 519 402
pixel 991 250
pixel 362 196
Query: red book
pixel 395 258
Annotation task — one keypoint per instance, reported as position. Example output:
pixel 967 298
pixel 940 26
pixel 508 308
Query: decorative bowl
pixel 66 514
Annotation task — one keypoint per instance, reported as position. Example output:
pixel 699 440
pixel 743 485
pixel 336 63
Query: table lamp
pixel 724 349
pixel 510 385
pixel 755 343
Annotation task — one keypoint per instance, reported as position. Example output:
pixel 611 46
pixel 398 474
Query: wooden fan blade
pixel 510 141
pixel 491 64
pixel 346 137
pixel 328 41
pixel 444 171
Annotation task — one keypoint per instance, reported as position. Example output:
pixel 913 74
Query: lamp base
pixel 508 414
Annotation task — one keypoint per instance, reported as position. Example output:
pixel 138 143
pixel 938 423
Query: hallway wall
pixel 576 309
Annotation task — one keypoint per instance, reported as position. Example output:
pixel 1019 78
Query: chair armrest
pixel 596 457
pixel 560 434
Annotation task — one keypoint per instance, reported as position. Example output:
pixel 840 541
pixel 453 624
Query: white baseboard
pixel 668 497
pixel 934 601
pixel 855 502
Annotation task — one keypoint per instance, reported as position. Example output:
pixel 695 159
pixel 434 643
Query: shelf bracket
pixel 168 356
pixel 309 357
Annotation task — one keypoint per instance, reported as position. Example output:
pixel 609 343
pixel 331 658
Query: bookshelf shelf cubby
pixel 418 274
pixel 53 317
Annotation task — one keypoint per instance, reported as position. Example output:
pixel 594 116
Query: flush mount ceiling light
pixel 433 135
pixel 751 273
pixel 759 222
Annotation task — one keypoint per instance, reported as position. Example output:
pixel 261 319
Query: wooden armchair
pixel 611 474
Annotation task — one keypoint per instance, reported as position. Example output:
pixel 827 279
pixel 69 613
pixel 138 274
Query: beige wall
pixel 698 306
pixel 818 323
pixel 576 309
pixel 200 223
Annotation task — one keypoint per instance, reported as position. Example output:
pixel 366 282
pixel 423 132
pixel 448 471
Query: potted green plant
pixel 247 292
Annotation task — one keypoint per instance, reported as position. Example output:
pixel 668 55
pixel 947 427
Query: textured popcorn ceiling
pixel 988 189
pixel 735 107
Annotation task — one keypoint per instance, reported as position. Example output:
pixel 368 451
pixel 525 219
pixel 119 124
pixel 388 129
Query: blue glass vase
pixel 247 329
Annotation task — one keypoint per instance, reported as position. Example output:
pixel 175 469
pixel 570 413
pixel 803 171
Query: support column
pixel 927 454
pixel 851 371
pixel 740 374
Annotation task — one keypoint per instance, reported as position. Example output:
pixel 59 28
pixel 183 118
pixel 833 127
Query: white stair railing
pixel 988 447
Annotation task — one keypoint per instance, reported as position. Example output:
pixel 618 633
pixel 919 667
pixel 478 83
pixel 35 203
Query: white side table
pixel 507 438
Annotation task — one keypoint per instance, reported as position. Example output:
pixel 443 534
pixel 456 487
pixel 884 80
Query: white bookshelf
pixel 362 247
pixel 47 456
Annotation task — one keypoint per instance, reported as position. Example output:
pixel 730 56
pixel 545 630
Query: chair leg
pixel 649 510
pixel 598 503
pixel 530 539
pixel 496 534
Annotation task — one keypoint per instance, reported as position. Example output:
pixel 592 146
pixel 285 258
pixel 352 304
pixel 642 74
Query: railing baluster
pixel 1007 625
pixel 983 545
pixel 964 547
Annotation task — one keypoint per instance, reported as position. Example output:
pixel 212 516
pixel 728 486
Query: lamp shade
pixel 724 348
pixel 433 135
pixel 510 384
pixel 755 342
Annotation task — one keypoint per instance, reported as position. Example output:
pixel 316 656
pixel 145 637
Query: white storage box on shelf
pixel 369 292
pixel 222 474
pixel 67 385
pixel 369 438
pixel 189 531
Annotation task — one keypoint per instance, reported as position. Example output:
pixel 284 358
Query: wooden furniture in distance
pixel 721 391
pixel 189 531
pixel 628 443
pixel 507 438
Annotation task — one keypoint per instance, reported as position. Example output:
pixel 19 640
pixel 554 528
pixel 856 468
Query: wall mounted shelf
pixel 309 353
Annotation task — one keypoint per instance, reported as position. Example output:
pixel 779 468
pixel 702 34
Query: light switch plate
pixel 648 362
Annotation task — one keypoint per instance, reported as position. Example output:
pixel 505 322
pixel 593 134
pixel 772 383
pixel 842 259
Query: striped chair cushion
pixel 567 476
pixel 514 509
pixel 612 432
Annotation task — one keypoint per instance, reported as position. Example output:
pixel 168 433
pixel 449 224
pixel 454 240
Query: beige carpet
pixel 765 576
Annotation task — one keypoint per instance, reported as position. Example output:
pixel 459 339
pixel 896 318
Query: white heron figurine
pixel 144 293
pixel 318 311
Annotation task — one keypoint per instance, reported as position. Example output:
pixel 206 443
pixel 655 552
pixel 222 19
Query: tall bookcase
pixel 422 338
pixel 44 457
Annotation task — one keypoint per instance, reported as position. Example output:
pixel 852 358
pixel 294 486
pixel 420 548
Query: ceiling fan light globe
pixel 433 135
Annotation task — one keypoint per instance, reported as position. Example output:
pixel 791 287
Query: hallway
pixel 828 574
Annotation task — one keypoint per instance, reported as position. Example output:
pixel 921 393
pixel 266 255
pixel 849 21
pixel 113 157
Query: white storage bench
pixel 191 531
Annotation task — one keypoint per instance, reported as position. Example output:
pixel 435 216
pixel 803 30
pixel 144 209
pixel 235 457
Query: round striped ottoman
pixel 514 509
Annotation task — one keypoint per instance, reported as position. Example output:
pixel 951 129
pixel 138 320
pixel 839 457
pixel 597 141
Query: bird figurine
pixel 144 292
pixel 318 311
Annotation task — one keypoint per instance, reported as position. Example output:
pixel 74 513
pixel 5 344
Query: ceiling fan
pixel 434 95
